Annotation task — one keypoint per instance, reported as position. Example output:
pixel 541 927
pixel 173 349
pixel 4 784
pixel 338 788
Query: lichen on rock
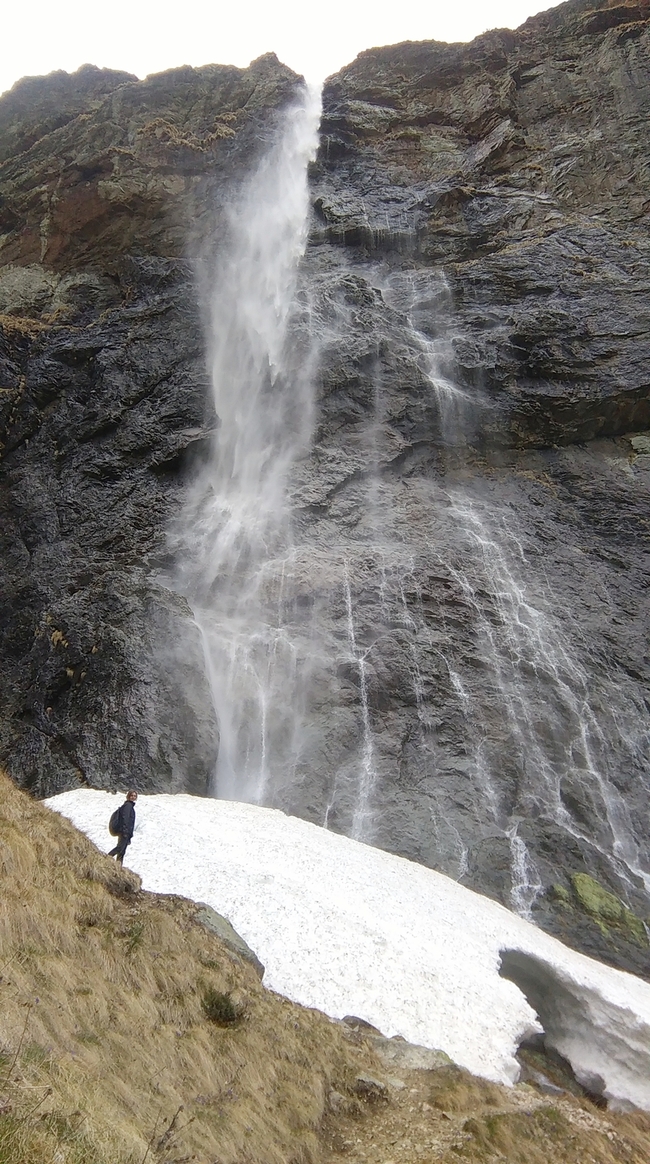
pixel 607 911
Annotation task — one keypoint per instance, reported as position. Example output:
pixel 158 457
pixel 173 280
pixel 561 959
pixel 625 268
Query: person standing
pixel 125 826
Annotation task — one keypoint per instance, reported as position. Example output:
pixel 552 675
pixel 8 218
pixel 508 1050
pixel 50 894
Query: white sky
pixel 146 36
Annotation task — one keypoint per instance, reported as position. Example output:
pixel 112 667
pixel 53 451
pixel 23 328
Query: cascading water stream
pixel 234 537
pixel 558 732
pixel 564 724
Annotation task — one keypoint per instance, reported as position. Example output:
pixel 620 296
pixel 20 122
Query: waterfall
pixel 234 538
pixel 384 651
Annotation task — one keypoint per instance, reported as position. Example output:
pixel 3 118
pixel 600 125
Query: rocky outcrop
pixel 216 924
pixel 36 106
pixel 129 174
pixel 479 478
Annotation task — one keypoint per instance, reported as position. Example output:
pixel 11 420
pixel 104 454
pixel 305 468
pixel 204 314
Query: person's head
pixel 132 796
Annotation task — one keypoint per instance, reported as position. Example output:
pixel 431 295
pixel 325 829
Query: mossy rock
pixel 561 895
pixel 607 911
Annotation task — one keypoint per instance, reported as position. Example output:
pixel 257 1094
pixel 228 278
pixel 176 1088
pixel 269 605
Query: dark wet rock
pixel 550 1072
pixel 99 419
pixel 496 542
pixel 586 915
pixel 519 163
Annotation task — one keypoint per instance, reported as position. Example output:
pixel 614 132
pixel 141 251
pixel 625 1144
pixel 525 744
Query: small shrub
pixel 134 937
pixel 219 1008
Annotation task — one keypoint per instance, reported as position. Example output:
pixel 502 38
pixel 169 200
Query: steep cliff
pixel 470 521
pixel 520 164
pixel 495 511
pixel 103 397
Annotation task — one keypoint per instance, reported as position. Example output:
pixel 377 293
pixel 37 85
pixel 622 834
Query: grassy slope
pixel 101 989
pixel 106 1054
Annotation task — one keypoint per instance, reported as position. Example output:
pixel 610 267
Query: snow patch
pixel 350 929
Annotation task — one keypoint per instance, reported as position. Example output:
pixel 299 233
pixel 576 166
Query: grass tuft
pixel 220 1009
pixel 134 937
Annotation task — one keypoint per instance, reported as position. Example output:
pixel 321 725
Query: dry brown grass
pixel 554 1133
pixel 101 990
pixel 19 325
pixel 452 1089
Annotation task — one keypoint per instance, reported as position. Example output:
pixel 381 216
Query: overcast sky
pixel 315 38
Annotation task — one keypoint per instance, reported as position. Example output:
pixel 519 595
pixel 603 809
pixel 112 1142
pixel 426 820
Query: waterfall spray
pixel 234 537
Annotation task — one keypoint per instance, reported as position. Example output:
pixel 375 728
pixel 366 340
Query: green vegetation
pixel 607 911
pixel 134 937
pixel 219 1008
pixel 562 895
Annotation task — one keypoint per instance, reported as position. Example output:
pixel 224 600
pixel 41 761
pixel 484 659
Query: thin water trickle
pixel 526 885
pixel 422 299
pixel 547 695
pixel 361 819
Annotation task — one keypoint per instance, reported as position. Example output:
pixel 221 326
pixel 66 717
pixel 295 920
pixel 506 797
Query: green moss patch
pixel 607 911
pixel 561 895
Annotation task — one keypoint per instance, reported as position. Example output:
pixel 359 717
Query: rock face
pixel 519 163
pixel 471 520
pixel 479 457
pixel 216 924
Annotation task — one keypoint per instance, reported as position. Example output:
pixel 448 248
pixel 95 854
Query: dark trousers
pixel 120 848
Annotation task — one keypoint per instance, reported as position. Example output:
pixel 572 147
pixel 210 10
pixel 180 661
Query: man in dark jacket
pixel 125 826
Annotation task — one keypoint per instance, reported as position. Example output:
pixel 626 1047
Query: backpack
pixel 114 823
